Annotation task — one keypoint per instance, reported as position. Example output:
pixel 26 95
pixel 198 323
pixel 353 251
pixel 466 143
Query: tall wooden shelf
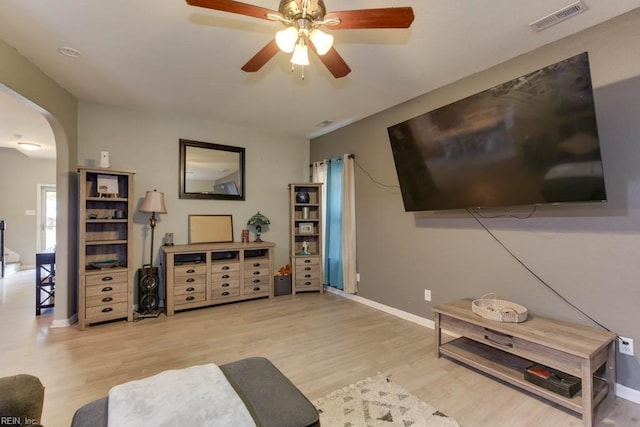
pixel 105 252
pixel 306 232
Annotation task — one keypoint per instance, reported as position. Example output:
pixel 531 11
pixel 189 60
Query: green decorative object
pixel 257 221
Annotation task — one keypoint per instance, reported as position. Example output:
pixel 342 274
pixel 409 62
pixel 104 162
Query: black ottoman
pixel 270 397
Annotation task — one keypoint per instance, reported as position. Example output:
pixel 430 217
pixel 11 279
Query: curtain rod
pixel 351 156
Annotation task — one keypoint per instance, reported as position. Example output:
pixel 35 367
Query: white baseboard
pixel 627 393
pixel 398 313
pixel 622 392
pixel 64 323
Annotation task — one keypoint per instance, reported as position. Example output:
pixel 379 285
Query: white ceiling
pixel 168 56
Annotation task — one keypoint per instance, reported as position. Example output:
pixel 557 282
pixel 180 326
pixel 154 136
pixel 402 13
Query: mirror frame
pixel 184 194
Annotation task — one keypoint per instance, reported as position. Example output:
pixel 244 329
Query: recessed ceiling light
pixel 69 51
pixel 29 146
pixel 324 123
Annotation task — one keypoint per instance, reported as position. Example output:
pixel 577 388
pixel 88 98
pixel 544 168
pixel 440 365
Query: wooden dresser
pixel 505 350
pixel 206 274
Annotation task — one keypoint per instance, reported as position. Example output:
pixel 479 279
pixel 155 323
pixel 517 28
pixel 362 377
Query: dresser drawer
pixel 307 268
pixel 106 278
pixel 257 281
pixel 256 263
pixel 219 294
pixel 301 262
pixel 106 288
pixel 106 300
pixel 255 290
pixel 189 289
pixel 189 269
pixel 225 267
pixel 510 344
pixel 189 298
pixel 303 284
pixel 249 273
pixel 106 312
pixel 225 285
pixel 190 280
pixel 307 275
pixel 225 276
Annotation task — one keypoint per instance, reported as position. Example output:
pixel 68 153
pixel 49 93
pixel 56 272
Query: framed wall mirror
pixel 211 171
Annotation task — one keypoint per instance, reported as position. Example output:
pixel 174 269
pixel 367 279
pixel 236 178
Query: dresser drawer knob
pixel 107 289
pixel 190 298
pixel 106 278
pixel 191 270
pixel 226 267
pixel 256 273
pixel 107 299
pixel 225 276
pixel 256 264
pixel 225 285
pixel 307 268
pixel 191 280
pixel 307 283
pixel 225 293
pixel 307 261
pixel 257 280
pixel 107 309
pixel 256 289
pixel 191 289
pixel 307 276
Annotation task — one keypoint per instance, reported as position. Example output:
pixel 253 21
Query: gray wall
pixel 588 253
pixel 19 179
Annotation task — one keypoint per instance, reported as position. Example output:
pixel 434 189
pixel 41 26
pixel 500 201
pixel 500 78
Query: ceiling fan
pixel 303 20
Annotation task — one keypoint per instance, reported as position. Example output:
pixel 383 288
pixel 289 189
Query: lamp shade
pixel 300 55
pixel 322 41
pixel 153 202
pixel 286 39
pixel 258 219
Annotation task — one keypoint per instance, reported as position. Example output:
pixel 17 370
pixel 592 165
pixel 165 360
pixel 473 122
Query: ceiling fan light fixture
pixel 286 39
pixel 321 40
pixel 300 55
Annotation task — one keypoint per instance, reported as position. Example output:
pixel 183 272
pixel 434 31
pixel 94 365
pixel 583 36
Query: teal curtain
pixel 333 244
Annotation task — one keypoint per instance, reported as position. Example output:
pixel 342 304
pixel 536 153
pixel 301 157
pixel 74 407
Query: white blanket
pixel 194 396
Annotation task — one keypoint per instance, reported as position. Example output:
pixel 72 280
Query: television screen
pixel 531 140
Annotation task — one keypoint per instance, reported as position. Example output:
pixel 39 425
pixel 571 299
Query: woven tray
pixel 500 310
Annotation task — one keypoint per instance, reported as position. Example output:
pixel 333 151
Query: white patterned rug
pixel 378 402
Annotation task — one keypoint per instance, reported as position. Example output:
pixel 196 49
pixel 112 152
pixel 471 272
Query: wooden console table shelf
pixel 204 274
pixel 505 350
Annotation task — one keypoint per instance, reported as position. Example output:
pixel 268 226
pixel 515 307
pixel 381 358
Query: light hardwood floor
pixel 322 342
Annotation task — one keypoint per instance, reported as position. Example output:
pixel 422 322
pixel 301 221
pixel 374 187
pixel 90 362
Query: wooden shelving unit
pixel 105 254
pixel 305 250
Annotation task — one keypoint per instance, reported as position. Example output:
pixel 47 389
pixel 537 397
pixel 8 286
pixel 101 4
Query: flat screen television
pixel 529 141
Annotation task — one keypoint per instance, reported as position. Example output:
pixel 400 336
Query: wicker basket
pixel 500 310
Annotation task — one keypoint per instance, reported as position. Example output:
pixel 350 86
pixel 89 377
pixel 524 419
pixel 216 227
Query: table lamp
pixel 257 221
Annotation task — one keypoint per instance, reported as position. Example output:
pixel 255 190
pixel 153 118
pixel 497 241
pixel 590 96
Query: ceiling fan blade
pixel 262 57
pixel 233 7
pixel 390 17
pixel 333 61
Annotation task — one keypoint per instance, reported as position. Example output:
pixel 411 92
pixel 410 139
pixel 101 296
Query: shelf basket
pixel 500 310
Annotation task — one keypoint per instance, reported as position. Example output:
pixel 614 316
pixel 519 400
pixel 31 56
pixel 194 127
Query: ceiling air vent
pixel 559 16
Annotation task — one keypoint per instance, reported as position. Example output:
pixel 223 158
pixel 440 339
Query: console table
pixel 204 274
pixel 505 350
